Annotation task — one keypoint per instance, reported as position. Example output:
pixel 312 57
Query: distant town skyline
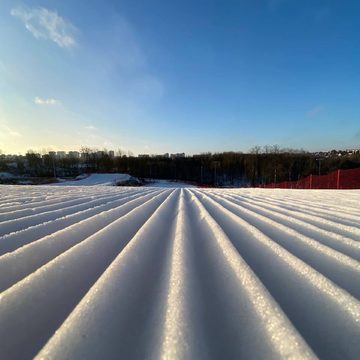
pixel 77 154
pixel 155 76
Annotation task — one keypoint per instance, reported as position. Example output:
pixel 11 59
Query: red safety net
pixel 339 179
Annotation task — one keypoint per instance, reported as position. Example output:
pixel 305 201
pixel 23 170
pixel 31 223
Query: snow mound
pixel 95 179
pixel 168 184
pixel 92 272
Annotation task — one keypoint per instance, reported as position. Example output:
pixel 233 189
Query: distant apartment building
pixel 74 154
pixel 60 154
pixel 160 156
pixel 177 155
pixel 163 156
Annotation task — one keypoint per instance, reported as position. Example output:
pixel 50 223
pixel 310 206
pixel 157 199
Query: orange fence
pixel 339 179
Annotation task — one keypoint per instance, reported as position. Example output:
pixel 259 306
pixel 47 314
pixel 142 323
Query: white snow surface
pixel 96 272
pixel 95 179
pixel 112 179
pixel 169 184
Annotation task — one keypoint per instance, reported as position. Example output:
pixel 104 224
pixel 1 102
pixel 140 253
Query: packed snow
pixel 115 179
pixel 174 272
pixel 95 179
pixel 169 184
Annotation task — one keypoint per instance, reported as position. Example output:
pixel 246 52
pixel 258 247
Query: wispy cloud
pixel 118 46
pixel 315 111
pixel 41 101
pixel 122 56
pixel 95 140
pixel 149 87
pixel 7 131
pixel 47 24
pixel 90 127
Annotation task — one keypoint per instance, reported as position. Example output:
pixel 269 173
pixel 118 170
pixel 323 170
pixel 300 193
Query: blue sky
pixel 179 76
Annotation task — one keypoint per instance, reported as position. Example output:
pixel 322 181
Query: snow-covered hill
pixel 95 179
pixel 168 184
pixel 113 179
pixel 115 272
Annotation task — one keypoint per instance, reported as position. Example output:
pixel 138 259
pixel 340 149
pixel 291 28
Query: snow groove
pixel 162 273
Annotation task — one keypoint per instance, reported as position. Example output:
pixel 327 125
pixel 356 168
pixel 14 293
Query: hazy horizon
pixel 157 76
pixel 43 151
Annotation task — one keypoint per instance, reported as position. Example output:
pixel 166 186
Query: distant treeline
pixel 261 165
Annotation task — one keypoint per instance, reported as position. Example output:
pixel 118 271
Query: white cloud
pixel 40 101
pixel 46 24
pixel 90 127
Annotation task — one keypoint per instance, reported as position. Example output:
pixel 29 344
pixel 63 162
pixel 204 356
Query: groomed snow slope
pixel 133 273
